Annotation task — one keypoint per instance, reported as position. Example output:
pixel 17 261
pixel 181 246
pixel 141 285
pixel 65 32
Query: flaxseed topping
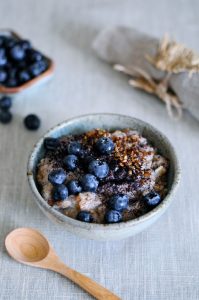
pixel 130 149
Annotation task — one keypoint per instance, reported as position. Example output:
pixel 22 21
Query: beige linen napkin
pixel 129 47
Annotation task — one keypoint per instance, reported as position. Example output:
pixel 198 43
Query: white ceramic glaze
pixel 107 121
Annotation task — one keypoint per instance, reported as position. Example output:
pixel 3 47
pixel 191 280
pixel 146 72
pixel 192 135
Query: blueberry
pixel 34 70
pixel 60 192
pixel 70 161
pixel 12 73
pixel 12 78
pixel 118 202
pixel 85 156
pixel 105 145
pixel 74 148
pixel 152 198
pixel 8 67
pixel 5 117
pixel 98 168
pixel 17 52
pixel 34 55
pixel 43 65
pixel 3 75
pixel 21 65
pixel 5 103
pixel 51 143
pixel 57 176
pixel 11 82
pixel 112 216
pixel 89 183
pixel 87 160
pixel 2 52
pixel 2 39
pixel 9 42
pixel 37 68
pixel 74 187
pixel 23 76
pixel 3 58
pixel 32 122
pixel 25 44
pixel 85 216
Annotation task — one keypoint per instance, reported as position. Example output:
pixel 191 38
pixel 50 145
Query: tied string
pixel 142 80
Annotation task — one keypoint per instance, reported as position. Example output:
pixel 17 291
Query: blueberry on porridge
pixel 102 176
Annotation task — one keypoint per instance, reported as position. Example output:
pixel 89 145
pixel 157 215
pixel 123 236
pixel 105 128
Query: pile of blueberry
pixel 97 170
pixel 19 61
pixel 89 182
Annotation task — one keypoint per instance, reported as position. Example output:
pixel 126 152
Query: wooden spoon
pixel 30 247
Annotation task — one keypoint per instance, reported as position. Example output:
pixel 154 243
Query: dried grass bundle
pixel 174 57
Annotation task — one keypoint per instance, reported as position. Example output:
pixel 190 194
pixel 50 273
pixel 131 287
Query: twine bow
pixel 142 80
pixel 172 58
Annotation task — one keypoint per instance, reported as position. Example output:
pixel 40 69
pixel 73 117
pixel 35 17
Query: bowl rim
pixel 90 226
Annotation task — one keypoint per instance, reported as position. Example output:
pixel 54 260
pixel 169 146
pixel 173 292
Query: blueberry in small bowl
pixel 21 65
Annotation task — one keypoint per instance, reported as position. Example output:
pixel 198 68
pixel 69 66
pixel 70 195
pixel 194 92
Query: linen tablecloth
pixel 160 263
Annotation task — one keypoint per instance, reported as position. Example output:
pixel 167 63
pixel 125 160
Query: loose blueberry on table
pixel 5 117
pixel 5 103
pixel 5 114
pixel 32 122
pixel 19 61
pixel 102 176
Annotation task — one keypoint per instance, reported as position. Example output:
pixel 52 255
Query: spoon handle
pixel 89 285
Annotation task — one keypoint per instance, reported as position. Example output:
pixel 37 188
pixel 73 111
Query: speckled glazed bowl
pixel 107 121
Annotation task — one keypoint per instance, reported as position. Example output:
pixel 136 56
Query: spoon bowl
pixel 30 247
pixel 27 245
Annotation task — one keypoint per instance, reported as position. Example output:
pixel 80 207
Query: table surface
pixel 160 263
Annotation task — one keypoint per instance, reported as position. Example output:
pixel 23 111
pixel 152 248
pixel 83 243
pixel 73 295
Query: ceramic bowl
pixel 33 82
pixel 111 122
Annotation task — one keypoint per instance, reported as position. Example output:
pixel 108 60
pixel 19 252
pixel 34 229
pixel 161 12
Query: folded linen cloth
pixel 128 47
